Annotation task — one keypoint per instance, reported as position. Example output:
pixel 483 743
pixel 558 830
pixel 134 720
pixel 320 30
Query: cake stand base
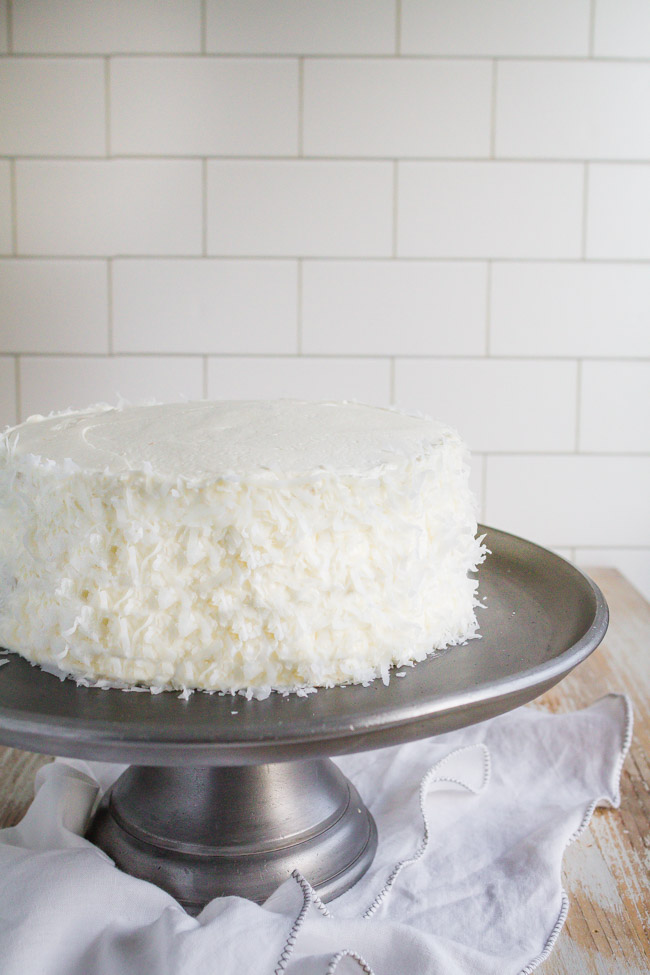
pixel 204 832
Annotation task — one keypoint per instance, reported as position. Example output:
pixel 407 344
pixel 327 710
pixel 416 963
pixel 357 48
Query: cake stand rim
pixel 120 741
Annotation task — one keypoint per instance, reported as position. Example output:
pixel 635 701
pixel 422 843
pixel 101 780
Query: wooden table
pixel 607 870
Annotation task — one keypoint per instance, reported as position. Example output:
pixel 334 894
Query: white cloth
pixel 480 890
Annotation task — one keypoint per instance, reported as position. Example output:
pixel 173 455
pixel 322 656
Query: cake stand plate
pixel 226 795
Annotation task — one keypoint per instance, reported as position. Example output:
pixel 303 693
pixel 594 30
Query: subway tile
pixel 4 46
pixel 53 306
pixel 5 208
pixel 476 466
pixel 52 106
pixel 495 404
pixel 109 207
pixel 622 29
pixel 73 382
pixel 634 563
pixel 300 27
pixel 106 26
pixel 489 209
pixel 205 306
pixel 570 309
pixel 302 208
pixel 396 107
pixel 570 500
pixel 615 407
pixel 204 106
pixel 393 307
pixel 7 391
pixel 500 27
pixel 300 377
pixel 565 110
pixel 618 204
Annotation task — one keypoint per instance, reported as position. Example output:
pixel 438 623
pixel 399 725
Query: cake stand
pixel 228 796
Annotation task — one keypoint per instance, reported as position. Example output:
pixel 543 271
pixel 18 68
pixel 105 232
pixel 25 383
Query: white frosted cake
pixel 235 546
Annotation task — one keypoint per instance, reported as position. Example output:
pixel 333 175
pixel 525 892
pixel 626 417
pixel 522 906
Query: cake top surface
pixel 202 439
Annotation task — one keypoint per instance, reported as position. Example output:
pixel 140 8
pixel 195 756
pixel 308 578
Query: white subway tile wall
pixel 536 28
pixel 572 110
pixel 106 26
pixel 108 206
pixel 498 404
pixel 300 208
pixel 443 206
pixel 54 306
pixel 622 29
pixel 6 207
pixel 8 389
pixel 205 306
pixel 192 106
pixel 618 209
pixel 300 26
pixel 574 500
pixel 394 307
pixel 72 382
pixel 302 377
pixel 489 209
pixel 570 309
pixel 615 407
pixel 396 107
pixel 52 107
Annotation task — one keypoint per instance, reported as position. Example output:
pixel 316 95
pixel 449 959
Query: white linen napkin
pixel 472 829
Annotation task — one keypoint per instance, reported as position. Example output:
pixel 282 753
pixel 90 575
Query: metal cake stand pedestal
pixel 228 796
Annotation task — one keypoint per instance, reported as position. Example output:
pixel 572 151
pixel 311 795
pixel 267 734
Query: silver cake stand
pixel 228 796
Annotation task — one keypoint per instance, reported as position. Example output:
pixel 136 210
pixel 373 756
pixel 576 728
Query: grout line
pixel 334 56
pixel 386 258
pixel 392 380
pixel 299 308
pixel 592 27
pixel 301 105
pixel 424 357
pixel 395 206
pixel 17 384
pixel 109 292
pixel 478 160
pixel 107 105
pixel 493 110
pixel 203 27
pixel 204 374
pixel 484 473
pixel 204 207
pixel 398 26
pixel 578 403
pixel 14 207
pixel 585 209
pixel 488 307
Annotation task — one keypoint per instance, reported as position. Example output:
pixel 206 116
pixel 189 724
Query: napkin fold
pixel 467 877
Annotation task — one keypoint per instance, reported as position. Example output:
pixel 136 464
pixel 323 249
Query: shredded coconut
pixel 247 581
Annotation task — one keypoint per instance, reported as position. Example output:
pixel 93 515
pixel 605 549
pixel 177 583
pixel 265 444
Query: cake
pixel 235 546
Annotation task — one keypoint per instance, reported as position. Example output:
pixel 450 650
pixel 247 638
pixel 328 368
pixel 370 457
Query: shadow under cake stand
pixel 228 796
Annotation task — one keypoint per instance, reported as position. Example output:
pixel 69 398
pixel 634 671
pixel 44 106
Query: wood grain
pixel 606 871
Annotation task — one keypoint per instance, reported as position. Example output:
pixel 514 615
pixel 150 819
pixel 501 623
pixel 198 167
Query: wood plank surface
pixel 607 870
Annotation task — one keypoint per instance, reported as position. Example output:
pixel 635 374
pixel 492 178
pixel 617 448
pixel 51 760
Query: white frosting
pixel 235 546
pixel 202 440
